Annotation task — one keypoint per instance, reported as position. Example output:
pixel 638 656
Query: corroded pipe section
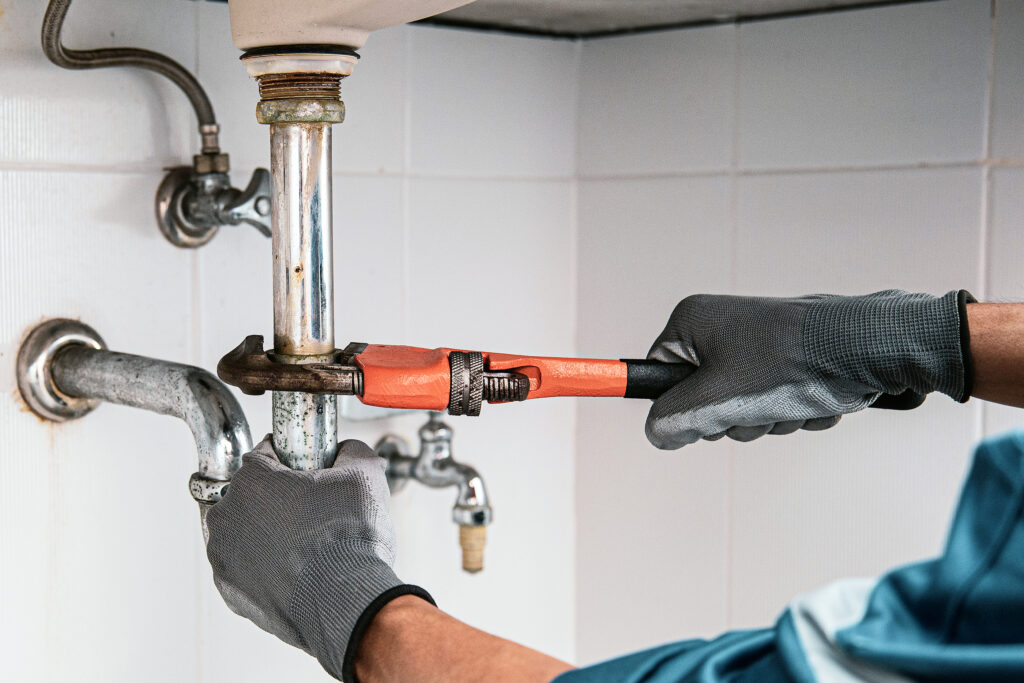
pixel 64 371
pixel 189 393
pixel 300 108
pixel 300 162
pixel 304 425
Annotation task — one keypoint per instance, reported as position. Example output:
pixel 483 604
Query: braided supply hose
pixel 53 23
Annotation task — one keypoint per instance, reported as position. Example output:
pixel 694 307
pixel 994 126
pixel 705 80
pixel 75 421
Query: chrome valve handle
pixel 193 202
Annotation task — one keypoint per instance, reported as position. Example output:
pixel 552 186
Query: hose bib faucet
pixel 435 467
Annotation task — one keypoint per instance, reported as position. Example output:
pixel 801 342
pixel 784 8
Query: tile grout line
pixel 730 465
pixel 1009 162
pixel 986 194
pixel 196 353
pixel 985 222
pixel 574 265
pixel 724 172
pixel 405 255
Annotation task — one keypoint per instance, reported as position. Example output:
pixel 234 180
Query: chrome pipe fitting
pixel 434 466
pixel 65 370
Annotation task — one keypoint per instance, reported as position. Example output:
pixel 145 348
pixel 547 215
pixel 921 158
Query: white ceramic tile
pixel 657 102
pixel 643 246
pixel 1008 81
pixel 652 534
pixel 1006 236
pixel 112 118
pixel 901 84
pixel 878 489
pixel 1005 280
pixel 368 259
pixel 491 266
pixel 525 454
pixel 488 104
pixel 858 232
pixel 102 524
pixel 369 141
pixel 872 493
pixel 372 139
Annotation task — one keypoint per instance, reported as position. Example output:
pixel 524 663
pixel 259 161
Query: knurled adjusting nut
pixel 467 383
pixel 300 111
pixel 211 163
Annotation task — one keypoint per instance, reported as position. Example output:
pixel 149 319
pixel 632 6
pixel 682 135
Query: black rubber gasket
pixel 303 49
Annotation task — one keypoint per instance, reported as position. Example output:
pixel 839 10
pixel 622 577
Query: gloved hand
pixel 777 365
pixel 307 555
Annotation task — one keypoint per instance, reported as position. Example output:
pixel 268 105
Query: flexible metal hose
pixel 53 22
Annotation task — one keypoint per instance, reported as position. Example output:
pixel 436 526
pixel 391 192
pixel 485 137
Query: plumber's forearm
pixel 411 640
pixel 997 347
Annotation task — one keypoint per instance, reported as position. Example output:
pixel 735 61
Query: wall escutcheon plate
pixel 35 368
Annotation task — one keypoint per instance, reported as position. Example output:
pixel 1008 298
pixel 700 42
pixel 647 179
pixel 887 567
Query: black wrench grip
pixel 652 378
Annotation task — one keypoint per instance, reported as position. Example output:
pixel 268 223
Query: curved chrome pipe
pixel 192 394
pixel 65 369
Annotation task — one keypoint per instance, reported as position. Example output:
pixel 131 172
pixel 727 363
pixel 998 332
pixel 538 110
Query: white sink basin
pixel 266 23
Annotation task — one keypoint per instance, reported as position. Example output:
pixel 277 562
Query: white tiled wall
pixel 512 194
pixel 845 152
pixel 451 228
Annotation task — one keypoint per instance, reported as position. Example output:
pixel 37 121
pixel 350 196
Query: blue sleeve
pixel 736 657
pixel 959 617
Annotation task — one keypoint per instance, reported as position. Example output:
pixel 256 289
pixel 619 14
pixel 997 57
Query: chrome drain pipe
pixel 305 426
pixel 300 101
pixel 65 371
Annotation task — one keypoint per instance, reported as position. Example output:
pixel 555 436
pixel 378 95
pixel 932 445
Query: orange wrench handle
pixel 564 376
pixel 421 379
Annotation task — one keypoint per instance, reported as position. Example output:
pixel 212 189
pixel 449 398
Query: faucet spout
pixel 435 467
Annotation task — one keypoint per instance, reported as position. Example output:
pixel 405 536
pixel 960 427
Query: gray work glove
pixel 772 366
pixel 307 555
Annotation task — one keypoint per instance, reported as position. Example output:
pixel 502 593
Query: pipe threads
pixel 300 86
pixel 502 388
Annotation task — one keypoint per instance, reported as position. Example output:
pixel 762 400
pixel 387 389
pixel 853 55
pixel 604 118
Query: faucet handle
pixel 252 205
pixel 472 539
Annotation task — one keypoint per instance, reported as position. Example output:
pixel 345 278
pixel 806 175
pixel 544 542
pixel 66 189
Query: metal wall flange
pixel 35 368
pixel 171 216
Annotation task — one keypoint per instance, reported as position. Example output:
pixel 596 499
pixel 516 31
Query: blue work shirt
pixel 959 617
